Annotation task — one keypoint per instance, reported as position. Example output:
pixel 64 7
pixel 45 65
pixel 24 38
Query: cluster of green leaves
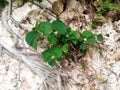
pixel 3 3
pixel 94 25
pixel 106 5
pixel 107 8
pixel 61 38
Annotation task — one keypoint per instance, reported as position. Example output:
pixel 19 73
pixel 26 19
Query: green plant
pixel 111 65
pixel 63 40
pixel 107 6
pixel 3 3
pixel 94 25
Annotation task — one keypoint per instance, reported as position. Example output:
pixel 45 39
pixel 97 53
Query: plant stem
pixel 10 8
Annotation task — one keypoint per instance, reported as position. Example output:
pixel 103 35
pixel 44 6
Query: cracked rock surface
pixel 102 72
pixel 13 77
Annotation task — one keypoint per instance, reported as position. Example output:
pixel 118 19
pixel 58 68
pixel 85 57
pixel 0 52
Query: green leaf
pixel 68 30
pixel 52 39
pixel 65 48
pixel 75 41
pixel 52 63
pixel 100 37
pixel 87 34
pixel 36 24
pixel 60 59
pixel 75 32
pixel 74 37
pixel 67 35
pixel 59 26
pixel 83 46
pixel 57 52
pixel 63 39
pixel 83 51
pixel 47 54
pixel 81 39
pixel 3 3
pixel 45 27
pixel 91 40
pixel 32 38
pixel 94 25
pixel 68 54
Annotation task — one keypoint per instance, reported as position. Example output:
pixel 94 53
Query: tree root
pixel 50 76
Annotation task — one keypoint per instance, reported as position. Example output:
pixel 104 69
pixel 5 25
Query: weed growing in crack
pixel 63 40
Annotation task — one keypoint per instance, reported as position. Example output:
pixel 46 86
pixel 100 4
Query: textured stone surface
pixel 13 78
pixel 103 69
